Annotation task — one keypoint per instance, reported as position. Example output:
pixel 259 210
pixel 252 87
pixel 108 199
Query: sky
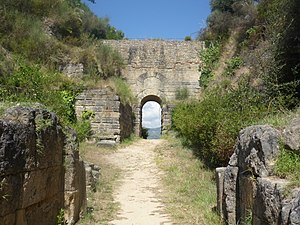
pixel 151 115
pixel 146 19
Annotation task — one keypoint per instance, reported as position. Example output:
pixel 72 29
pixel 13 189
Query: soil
pixel 138 192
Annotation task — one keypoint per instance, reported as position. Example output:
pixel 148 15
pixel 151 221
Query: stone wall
pixel 112 121
pixel 32 176
pixel 157 67
pixel 248 192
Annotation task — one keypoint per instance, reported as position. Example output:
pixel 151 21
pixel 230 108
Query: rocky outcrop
pixel 31 167
pixel 247 188
pixel 34 150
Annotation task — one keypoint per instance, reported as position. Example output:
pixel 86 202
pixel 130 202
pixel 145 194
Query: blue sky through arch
pixel 151 115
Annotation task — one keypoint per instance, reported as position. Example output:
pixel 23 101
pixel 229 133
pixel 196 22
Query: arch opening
pixel 151 117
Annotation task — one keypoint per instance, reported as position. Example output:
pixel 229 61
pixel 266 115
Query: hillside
pixel 50 51
pixel 249 74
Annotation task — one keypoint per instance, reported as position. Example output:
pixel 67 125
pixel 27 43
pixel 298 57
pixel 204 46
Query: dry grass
pixel 189 189
pixel 101 205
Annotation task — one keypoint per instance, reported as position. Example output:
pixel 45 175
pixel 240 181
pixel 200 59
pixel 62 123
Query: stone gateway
pixel 156 70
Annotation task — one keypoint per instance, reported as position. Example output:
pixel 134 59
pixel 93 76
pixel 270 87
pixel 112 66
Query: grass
pixel 288 166
pixel 190 191
pixel 281 119
pixel 101 205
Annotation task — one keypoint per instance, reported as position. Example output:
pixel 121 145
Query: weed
pixel 209 57
pixel 60 218
pixel 128 141
pixel 123 90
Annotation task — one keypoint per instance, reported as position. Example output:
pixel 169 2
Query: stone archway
pixel 165 113
pixel 150 100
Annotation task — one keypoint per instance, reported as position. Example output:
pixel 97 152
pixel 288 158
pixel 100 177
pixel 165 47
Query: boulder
pixel 256 150
pixel 291 135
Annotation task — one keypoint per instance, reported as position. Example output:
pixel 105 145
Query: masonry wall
pixel 112 121
pixel 157 67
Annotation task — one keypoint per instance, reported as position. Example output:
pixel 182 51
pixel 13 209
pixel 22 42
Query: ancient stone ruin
pixel 113 120
pixel 248 192
pixel 155 70
pixel 41 174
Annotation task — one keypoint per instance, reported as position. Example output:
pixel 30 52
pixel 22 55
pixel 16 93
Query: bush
pixel 182 93
pixel 232 65
pixel 145 133
pixel 110 61
pixel 83 125
pixel 188 38
pixel 209 60
pixel 211 126
pixel 123 90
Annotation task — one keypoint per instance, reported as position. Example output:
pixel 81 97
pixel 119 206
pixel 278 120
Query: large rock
pixel 291 135
pixel 249 190
pixel 267 205
pixel 229 196
pixel 291 209
pixel 33 183
pixel 256 150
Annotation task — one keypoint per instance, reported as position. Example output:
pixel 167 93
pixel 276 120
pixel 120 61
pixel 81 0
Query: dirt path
pixel 137 193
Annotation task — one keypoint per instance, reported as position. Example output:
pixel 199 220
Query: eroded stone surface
pixel 249 189
pixel 291 135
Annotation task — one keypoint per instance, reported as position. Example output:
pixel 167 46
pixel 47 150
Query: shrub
pixel 123 90
pixel 209 60
pixel 83 125
pixel 110 61
pixel 182 93
pixel 211 126
pixel 232 65
pixel 188 38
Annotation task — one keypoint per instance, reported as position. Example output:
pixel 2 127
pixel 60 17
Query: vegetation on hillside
pixel 38 38
pixel 249 72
